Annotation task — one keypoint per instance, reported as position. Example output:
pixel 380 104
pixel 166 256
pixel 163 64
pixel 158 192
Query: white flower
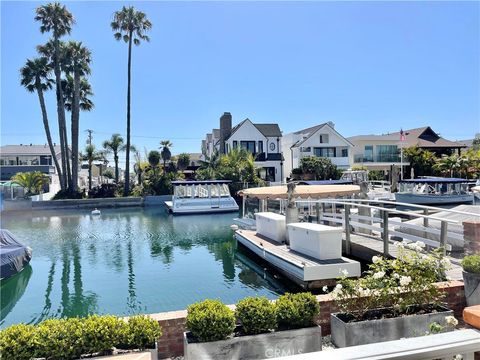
pixel 445 262
pixel 379 275
pixel 344 272
pixel 325 288
pixel 405 280
pixel 420 244
pixel 396 276
pixel 338 287
pixel 451 321
pixel 375 259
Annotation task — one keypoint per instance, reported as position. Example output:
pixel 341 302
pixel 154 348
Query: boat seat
pixel 471 316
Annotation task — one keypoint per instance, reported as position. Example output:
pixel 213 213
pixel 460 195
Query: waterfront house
pixel 27 158
pixel 380 152
pixel 262 140
pixel 320 140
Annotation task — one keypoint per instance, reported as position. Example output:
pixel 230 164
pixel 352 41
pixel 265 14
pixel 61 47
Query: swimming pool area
pixel 127 261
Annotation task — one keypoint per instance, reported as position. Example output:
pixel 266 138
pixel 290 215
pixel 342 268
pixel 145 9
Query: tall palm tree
pixel 114 146
pixel 165 153
pixel 131 26
pixel 77 62
pixel 35 76
pixel 91 155
pixel 55 18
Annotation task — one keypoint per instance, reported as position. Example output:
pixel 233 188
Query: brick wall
pixel 173 322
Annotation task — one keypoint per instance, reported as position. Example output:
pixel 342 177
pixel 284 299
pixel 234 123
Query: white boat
pixel 434 191
pixel 201 197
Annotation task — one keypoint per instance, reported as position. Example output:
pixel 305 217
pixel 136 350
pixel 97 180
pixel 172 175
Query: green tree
pixel 322 168
pixel 55 18
pixel 32 181
pixel 154 160
pixel 420 160
pixel 130 25
pixel 76 62
pixel 35 76
pixel 90 156
pixel 209 167
pixel 114 146
pixel 165 153
pixel 109 174
pixel 183 161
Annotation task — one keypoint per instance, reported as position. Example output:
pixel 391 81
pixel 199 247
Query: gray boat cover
pixel 13 254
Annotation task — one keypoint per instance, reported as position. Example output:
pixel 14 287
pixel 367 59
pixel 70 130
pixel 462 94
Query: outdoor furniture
pixel 318 241
pixel 271 225
pixel 471 316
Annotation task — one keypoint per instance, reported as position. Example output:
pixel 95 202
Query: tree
pixel 114 146
pixel 108 174
pixel 420 160
pixel 476 142
pixel 32 181
pixel 183 161
pixel 55 18
pixel 35 76
pixel 154 160
pixel 76 61
pixel 320 167
pixel 165 153
pixel 91 155
pixel 131 26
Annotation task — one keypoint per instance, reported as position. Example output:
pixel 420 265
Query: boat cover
pixel 13 254
pixel 301 191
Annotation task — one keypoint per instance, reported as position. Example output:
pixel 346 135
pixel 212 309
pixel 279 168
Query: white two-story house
pixel 321 140
pixel 262 140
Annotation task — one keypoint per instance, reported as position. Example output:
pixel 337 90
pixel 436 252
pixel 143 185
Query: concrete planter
pixel 372 331
pixel 471 283
pixel 262 346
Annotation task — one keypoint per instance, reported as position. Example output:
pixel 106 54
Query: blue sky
pixel 370 67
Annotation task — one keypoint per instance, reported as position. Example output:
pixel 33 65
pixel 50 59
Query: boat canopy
pixel 301 191
pixel 202 182
pixel 435 180
pixel 325 182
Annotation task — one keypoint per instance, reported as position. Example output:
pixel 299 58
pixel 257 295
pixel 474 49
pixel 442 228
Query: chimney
pixel 225 129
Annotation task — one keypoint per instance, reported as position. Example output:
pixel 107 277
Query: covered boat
pixel 434 191
pixel 14 256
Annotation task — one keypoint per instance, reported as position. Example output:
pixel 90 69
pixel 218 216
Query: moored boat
pixel 14 256
pixel 434 191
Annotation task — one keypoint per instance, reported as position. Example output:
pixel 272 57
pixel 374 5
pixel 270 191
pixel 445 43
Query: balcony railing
pixel 268 157
pixel 388 158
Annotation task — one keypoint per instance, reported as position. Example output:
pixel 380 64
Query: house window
pixel 260 146
pixel 235 144
pixel 306 149
pixel 368 155
pixel 344 152
pixel 387 153
pixel 324 152
pixel 323 138
pixel 248 145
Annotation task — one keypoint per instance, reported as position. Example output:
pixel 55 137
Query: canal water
pixel 127 261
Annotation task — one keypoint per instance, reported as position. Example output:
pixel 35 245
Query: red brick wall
pixel 173 323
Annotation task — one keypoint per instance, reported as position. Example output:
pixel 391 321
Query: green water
pixel 126 261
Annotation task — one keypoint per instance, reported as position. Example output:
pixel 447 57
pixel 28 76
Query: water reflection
pixel 11 290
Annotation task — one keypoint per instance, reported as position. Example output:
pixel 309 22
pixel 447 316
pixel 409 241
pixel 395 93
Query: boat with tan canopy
pixel 301 191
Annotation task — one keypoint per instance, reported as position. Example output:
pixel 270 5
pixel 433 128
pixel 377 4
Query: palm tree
pixel 447 164
pixel 114 146
pixel 35 77
pixel 91 155
pixel 165 153
pixel 131 26
pixel 154 160
pixel 31 181
pixel 55 18
pixel 77 62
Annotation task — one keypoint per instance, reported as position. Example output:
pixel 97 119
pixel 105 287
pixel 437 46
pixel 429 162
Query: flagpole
pixel 401 160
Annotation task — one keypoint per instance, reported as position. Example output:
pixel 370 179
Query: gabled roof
pixel 308 132
pixel 267 130
pixel 27 150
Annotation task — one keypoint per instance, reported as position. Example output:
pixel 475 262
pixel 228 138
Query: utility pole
pixel 89 140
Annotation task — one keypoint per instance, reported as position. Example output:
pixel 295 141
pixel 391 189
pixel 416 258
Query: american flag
pixel 402 135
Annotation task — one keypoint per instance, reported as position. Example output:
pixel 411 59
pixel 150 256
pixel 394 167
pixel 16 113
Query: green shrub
pixel 296 310
pixel 471 264
pixel 102 333
pixel 60 339
pixel 141 332
pixel 257 315
pixel 210 320
pixel 17 342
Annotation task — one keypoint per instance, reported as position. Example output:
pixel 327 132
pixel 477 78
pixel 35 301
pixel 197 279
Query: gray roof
pixel 27 150
pixel 269 130
pixel 309 130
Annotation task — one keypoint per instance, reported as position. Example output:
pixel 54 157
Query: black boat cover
pixel 13 255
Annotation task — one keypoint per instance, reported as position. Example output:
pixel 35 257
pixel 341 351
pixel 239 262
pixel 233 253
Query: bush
pixel 210 320
pixel 17 342
pixel 67 194
pixel 471 264
pixel 102 333
pixel 141 332
pixel 257 315
pixel 296 310
pixel 103 191
pixel 60 339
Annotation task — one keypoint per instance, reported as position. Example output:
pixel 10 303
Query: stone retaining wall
pixel 173 322
pixel 87 203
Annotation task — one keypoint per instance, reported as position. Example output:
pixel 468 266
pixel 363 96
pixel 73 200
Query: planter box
pixel 373 331
pixel 262 346
pixel 471 283
pixel 271 225
pixel 319 241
